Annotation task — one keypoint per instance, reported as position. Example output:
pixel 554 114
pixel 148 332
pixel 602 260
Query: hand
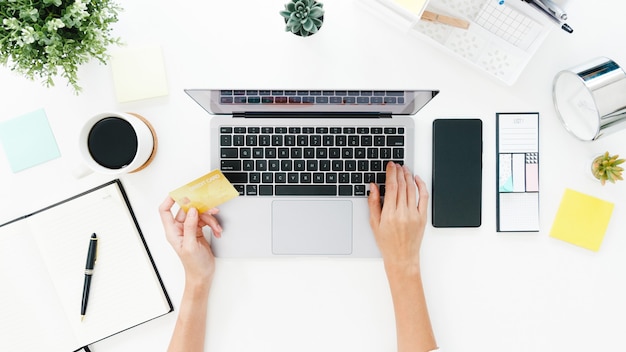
pixel 399 224
pixel 184 233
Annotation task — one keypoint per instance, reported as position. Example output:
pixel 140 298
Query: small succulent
pixel 605 168
pixel 303 17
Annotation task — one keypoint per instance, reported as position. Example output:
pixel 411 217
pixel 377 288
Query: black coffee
pixel 112 142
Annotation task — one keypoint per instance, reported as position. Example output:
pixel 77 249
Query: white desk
pixel 486 291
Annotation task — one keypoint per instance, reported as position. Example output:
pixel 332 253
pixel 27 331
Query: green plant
pixel 303 17
pixel 605 168
pixel 46 38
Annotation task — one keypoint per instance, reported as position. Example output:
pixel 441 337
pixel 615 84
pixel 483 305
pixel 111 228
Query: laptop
pixel 302 161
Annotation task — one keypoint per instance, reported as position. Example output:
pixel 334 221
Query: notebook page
pixel 25 312
pixel 124 289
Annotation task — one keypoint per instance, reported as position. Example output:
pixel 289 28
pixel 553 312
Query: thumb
pixel 374 204
pixel 191 224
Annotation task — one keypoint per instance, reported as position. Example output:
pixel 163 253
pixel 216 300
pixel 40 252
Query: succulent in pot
pixel 303 17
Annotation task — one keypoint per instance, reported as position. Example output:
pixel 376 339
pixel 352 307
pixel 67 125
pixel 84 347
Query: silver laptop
pixel 302 161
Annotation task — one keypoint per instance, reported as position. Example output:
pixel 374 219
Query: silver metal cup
pixel 590 99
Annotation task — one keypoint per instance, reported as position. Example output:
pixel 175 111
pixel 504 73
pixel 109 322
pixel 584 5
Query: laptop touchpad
pixel 312 227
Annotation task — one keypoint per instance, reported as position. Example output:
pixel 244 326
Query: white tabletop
pixel 487 291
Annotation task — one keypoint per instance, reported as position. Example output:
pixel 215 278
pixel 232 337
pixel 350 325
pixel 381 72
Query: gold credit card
pixel 205 193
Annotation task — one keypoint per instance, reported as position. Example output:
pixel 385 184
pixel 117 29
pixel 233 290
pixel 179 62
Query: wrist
pixel 402 270
pixel 198 285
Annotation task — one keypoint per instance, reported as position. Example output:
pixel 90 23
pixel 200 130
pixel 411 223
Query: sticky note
pixel 27 140
pixel 582 220
pixel 415 6
pixel 205 192
pixel 138 73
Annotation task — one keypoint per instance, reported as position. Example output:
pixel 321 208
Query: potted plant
pixel 303 17
pixel 605 167
pixel 46 38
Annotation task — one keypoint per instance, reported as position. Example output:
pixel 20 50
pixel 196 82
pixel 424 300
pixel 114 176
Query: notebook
pixel 302 161
pixel 42 268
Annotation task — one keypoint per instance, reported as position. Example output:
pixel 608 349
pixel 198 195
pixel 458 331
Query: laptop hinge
pixel 312 115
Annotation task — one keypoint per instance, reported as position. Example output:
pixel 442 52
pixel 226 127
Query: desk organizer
pixel 501 38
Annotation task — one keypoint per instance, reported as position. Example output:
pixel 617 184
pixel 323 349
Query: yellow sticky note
pixel 415 6
pixel 582 220
pixel 138 73
pixel 205 192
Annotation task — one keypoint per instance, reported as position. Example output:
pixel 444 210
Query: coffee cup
pixel 116 143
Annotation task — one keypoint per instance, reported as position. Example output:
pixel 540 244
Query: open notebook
pixel 42 264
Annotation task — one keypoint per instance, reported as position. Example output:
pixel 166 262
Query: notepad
pixel 582 220
pixel 415 6
pixel 28 141
pixel 138 73
pixel 42 264
pixel 517 172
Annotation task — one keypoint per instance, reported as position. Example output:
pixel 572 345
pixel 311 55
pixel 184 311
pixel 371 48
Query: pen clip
pixel 553 9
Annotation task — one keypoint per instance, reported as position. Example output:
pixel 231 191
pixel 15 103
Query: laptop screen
pixel 232 101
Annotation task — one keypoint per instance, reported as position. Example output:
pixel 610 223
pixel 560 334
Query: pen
pixel 553 11
pixel 91 260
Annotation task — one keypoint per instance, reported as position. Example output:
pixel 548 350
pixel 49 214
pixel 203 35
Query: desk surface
pixel 486 291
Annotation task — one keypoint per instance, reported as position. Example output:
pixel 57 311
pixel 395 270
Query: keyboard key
pixel 228 153
pixel 395 140
pixel 345 190
pixel 230 165
pixel 306 190
pixel 265 190
pixel 226 140
pixel 236 177
pixel 321 100
pixel 336 100
pixel 251 190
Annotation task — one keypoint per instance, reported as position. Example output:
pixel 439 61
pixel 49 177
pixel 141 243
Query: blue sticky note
pixel 28 140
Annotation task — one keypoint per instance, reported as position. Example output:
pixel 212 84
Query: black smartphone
pixel 457 172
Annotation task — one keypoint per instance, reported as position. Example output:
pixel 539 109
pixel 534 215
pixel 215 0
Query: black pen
pixel 551 10
pixel 91 260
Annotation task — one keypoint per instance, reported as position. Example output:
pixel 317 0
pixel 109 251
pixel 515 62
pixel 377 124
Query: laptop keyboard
pixel 326 97
pixel 308 161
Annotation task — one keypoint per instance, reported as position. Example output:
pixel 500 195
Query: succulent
pixel 303 17
pixel 605 168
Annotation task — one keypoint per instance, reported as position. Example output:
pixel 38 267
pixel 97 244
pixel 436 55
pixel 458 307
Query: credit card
pixel 205 192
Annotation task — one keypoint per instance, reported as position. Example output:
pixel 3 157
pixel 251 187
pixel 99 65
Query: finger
pixel 411 191
pixel 374 204
pixel 190 228
pixel 391 185
pixel 401 186
pixel 180 215
pixel 422 205
pixel 165 211
pixel 210 221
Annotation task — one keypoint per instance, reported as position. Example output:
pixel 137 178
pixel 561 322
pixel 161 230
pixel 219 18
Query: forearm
pixel 413 327
pixel 190 327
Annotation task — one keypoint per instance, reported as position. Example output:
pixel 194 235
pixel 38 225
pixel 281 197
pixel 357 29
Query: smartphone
pixel 457 172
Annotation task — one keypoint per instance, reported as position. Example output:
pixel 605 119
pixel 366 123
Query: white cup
pixel 116 143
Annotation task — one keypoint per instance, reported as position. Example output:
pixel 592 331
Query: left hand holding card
pixel 205 193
